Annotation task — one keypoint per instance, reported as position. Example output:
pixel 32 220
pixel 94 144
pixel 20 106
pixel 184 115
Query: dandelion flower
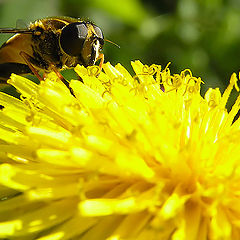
pixel 119 157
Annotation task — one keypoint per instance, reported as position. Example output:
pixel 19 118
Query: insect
pixel 51 44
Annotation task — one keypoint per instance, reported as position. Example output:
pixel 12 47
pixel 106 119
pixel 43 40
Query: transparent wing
pixel 21 24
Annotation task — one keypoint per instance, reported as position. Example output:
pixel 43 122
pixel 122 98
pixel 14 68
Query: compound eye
pixel 73 37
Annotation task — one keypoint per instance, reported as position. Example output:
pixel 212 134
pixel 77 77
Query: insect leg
pixel 27 58
pixel 101 57
pixel 60 76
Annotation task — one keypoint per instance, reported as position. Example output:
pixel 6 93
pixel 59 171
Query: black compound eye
pixel 73 37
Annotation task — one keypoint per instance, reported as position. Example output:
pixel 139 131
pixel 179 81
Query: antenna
pixel 112 43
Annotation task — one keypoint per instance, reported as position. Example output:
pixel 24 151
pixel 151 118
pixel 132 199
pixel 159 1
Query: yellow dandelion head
pixel 119 157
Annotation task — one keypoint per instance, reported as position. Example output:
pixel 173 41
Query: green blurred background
pixel 201 35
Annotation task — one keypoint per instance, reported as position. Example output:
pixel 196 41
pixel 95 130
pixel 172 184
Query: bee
pixel 51 44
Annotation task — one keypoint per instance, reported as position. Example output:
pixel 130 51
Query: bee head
pixel 83 40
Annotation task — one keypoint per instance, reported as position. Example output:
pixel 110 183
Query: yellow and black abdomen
pixel 10 59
